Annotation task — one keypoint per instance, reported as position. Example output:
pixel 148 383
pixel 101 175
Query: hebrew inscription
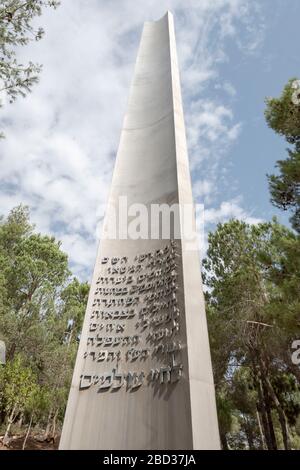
pixel 134 323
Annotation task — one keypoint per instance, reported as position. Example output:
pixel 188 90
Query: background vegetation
pixel 41 314
pixel 252 273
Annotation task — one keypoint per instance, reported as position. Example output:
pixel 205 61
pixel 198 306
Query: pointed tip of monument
pixel 168 14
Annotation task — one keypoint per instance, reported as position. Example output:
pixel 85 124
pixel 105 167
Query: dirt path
pixel 31 444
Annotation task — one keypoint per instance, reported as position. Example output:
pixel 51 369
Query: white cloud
pixel 208 217
pixel 61 141
pixel 229 88
pixel 226 211
pixel 204 191
pixel 210 132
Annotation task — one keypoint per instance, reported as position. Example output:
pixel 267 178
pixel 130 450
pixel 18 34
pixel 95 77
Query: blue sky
pixel 255 77
pixel 61 140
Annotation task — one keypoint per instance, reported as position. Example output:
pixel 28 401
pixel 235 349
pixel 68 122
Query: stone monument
pixel 143 376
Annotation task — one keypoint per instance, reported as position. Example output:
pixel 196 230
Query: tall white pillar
pixel 143 376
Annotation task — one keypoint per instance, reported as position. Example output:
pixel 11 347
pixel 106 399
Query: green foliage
pixel 18 386
pixel 17 30
pixel 285 187
pixel 283 116
pixel 224 412
pixel 252 276
pixel 38 300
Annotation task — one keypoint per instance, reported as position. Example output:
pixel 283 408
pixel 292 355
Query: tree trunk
pixel 28 431
pixel 224 441
pixel 20 421
pixel 262 437
pixel 281 416
pixel 54 425
pixel 48 427
pixel 10 421
pixel 279 409
pixel 249 433
pixel 267 400
pixel 11 351
pixel 263 412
